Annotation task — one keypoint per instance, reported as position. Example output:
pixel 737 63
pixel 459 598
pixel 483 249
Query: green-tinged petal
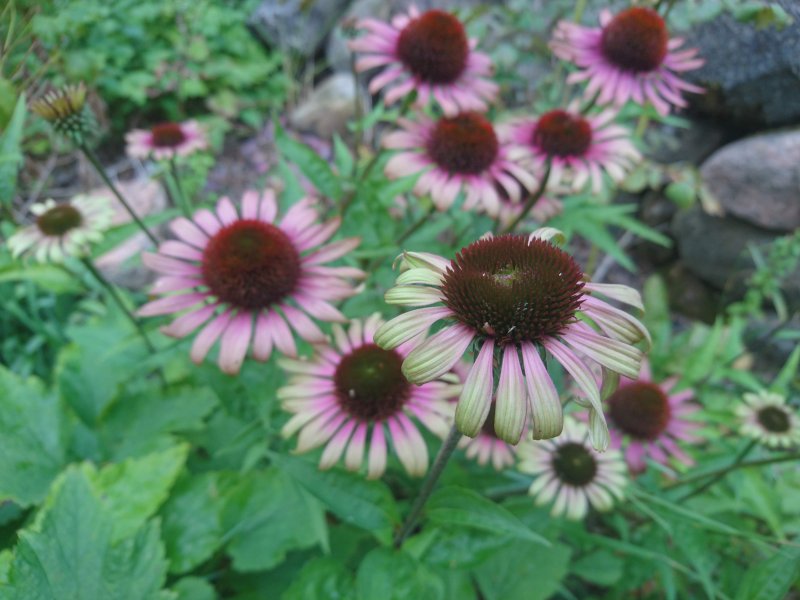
pixel 476 396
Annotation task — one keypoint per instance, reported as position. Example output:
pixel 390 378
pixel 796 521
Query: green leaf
pixel 192 530
pixel 133 490
pixel 267 514
pixel 453 547
pixel 462 507
pixel 523 571
pixel 773 578
pixel 311 164
pixel 10 153
pixel 49 277
pixel 67 554
pixel 194 588
pixel 342 157
pixel 599 567
pixel 387 574
pixel 321 579
pixel 367 504
pixel 33 439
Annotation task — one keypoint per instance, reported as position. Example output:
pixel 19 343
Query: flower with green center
pixel 571 474
pixel 63 229
pixel 64 108
pixel 517 301
pixel 353 397
pixel 767 418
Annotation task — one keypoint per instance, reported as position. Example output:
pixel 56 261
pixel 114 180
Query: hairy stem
pixel 182 199
pixel 529 203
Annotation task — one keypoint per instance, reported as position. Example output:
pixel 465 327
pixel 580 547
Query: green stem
pixel 530 202
pixel 182 199
pixel 580 6
pixel 641 126
pixel 102 172
pixel 445 452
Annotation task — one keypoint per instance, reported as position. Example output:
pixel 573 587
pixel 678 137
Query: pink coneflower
pixel 63 229
pixel 578 147
pixel 249 278
pixel 651 419
pixel 630 58
pixel 348 396
pixel 513 295
pixel 768 419
pixel 571 472
pixel 428 53
pixel 166 140
pixel 460 153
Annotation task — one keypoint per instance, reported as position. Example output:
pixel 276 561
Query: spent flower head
pixel 65 109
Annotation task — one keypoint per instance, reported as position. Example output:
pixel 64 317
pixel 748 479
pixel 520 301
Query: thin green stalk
pixel 641 126
pixel 186 207
pixel 580 6
pixel 102 172
pixel 445 452
pixel 530 202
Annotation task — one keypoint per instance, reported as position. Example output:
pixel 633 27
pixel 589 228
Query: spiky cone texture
pixel 629 57
pixel 63 229
pixel 66 110
pixel 166 140
pixel 571 474
pixel 248 278
pixel 578 148
pixel 767 418
pixel 651 420
pixel 427 53
pixel 517 301
pixel 352 398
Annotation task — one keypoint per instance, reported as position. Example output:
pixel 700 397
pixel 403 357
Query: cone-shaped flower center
pixel 465 144
pixel 640 409
pixel 434 47
pixel 513 288
pixel 251 264
pixel 61 104
pixel 574 464
pixel 774 419
pixel 559 133
pixel 59 220
pixel 636 39
pixel 167 135
pixel 369 383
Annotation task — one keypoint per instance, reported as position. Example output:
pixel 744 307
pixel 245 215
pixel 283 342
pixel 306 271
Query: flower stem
pixel 101 171
pixel 445 452
pixel 530 202
pixel 182 199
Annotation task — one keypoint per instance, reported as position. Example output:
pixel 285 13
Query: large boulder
pixel 752 75
pixel 757 179
pixel 297 25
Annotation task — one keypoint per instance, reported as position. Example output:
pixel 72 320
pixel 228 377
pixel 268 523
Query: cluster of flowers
pixel 249 280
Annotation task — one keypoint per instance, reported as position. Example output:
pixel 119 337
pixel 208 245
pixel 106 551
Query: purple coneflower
pixel 579 148
pixel 768 419
pixel 455 154
pixel 651 419
pixel 524 298
pixel 572 473
pixel 63 229
pixel 428 53
pixel 166 140
pixel 248 278
pixel 631 57
pixel 348 396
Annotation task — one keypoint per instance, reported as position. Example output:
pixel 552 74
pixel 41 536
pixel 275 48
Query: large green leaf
pixel 68 553
pixel 321 579
pixel 49 277
pixel 463 507
pixel 367 504
pixel 265 515
pixel 387 574
pixel 32 434
pixel 772 579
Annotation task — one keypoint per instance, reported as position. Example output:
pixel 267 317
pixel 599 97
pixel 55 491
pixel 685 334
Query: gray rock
pixel 758 179
pixel 329 107
pixel 298 25
pixel 752 75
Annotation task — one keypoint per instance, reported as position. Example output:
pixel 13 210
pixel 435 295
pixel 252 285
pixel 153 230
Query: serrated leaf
pixel 387 574
pixel 33 440
pixel 311 164
pixel 321 579
pixel 194 588
pixel 463 507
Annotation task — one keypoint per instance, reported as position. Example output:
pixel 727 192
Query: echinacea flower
pixel 569 471
pixel 631 57
pixel 63 229
pixel 166 140
pixel 249 278
pixel 64 109
pixel 651 420
pixel 457 154
pixel 428 53
pixel 516 295
pixel 578 148
pixel 768 419
pixel 353 397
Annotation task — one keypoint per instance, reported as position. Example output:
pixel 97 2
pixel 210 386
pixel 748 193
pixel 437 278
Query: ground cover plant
pixel 429 343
